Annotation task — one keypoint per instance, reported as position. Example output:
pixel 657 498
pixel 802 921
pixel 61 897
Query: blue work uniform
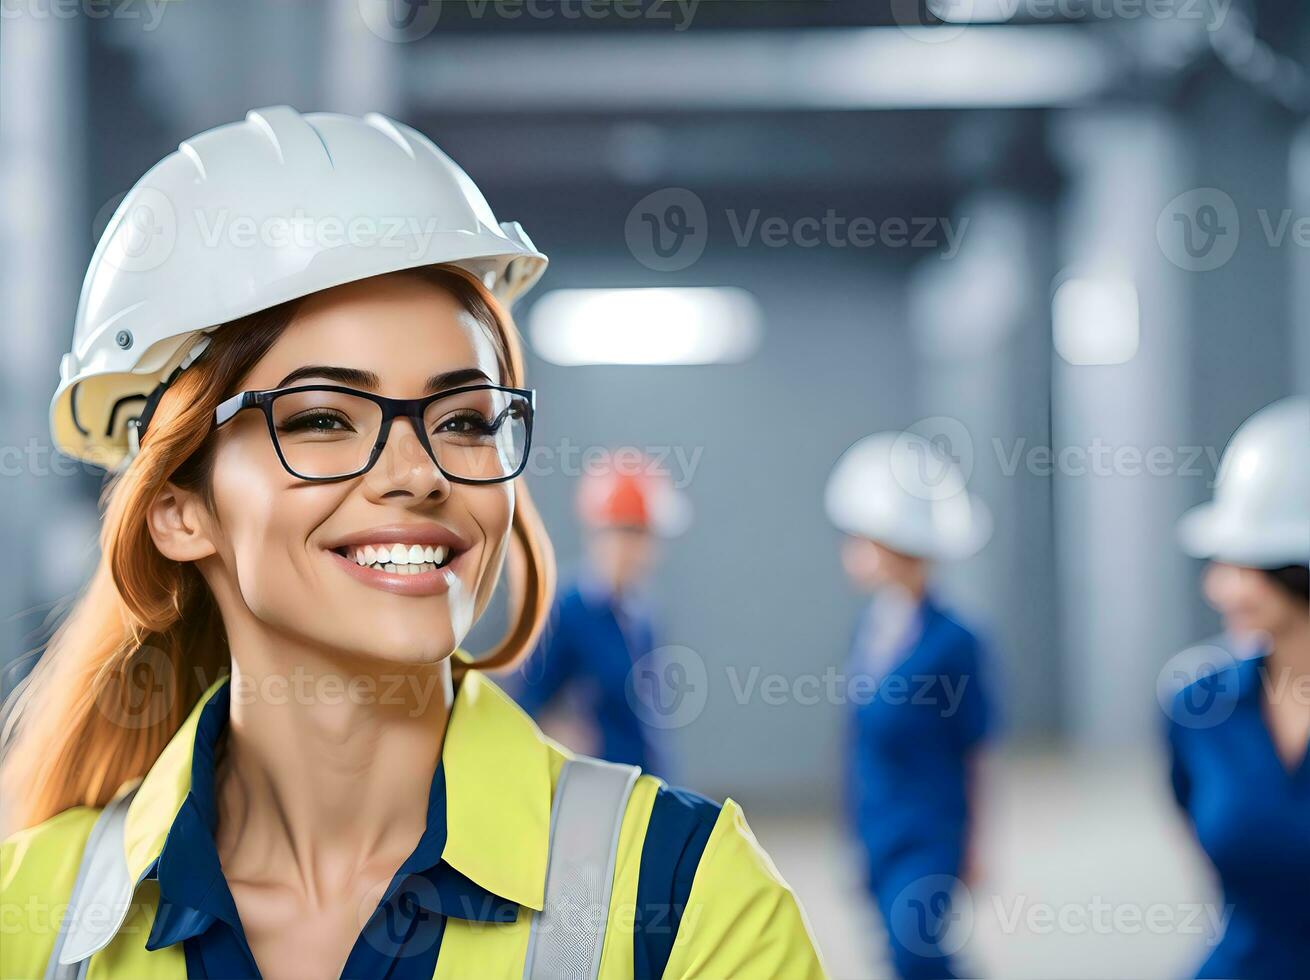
pixel 910 739
pixel 589 647
pixel 1252 819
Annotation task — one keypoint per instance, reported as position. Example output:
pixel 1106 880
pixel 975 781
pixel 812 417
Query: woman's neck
pixel 1289 650
pixel 327 766
pixel 913 584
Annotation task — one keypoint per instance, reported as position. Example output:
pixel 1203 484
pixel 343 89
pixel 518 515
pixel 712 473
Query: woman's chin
pixel 1245 629
pixel 422 648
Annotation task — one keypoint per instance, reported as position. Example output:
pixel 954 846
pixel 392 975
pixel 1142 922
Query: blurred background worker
pixel 600 643
pixel 1239 734
pixel 914 740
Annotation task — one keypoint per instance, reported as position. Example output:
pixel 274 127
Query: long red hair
pixel 144 638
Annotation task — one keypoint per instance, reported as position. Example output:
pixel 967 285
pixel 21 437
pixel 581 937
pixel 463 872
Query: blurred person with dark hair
pixel 914 740
pixel 1238 734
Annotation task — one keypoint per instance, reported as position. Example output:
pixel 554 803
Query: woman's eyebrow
pixel 357 378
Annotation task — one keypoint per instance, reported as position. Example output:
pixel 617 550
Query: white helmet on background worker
pixel 249 215
pixel 1260 515
pixel 898 489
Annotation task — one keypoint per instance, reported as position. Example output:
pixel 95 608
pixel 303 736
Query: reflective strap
pixel 96 891
pixel 568 934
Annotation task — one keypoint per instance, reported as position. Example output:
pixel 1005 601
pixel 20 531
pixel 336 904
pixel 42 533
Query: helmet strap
pixel 136 427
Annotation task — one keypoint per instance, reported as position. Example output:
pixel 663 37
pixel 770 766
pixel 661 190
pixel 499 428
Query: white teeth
pixel 398 558
pixel 411 569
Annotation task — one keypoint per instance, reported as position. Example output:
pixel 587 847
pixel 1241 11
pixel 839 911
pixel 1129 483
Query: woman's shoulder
pixel 667 829
pixel 48 851
pixel 696 875
pixel 676 814
pixel 688 875
pixel 37 868
pixel 702 846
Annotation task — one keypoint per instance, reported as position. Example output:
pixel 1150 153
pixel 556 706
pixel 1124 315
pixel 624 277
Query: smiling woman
pixel 256 746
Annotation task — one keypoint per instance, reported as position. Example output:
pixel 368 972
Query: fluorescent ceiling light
pixel 691 325
pixel 1095 321
pixel 945 65
pixel 887 67
pixel 974 11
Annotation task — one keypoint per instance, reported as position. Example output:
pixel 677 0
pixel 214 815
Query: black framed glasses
pixel 475 433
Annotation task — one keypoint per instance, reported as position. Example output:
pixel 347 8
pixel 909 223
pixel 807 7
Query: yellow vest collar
pixel 498 792
pixel 162 791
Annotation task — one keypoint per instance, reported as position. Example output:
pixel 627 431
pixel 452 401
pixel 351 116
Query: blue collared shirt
pixel 1251 813
pixel 400 941
pixel 918 715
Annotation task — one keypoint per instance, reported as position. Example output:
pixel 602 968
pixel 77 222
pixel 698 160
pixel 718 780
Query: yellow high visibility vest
pixel 741 919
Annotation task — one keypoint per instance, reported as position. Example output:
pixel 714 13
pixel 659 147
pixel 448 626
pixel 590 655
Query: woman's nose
pixel 404 465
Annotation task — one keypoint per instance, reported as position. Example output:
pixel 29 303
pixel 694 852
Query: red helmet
pixel 626 488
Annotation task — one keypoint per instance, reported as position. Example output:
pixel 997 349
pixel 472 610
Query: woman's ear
pixel 181 525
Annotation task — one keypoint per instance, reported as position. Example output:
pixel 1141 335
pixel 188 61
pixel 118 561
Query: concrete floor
pixel 1087 870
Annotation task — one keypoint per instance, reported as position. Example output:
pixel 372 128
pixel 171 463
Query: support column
pixel 1123 584
pixel 980 322
pixel 43 249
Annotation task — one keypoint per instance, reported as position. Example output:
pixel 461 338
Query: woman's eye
pixel 317 422
pixel 470 423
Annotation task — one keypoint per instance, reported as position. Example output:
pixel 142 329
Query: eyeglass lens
pixel 475 435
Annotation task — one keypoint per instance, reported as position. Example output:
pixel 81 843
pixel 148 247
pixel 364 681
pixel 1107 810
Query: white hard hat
pixel 1260 515
pixel 898 489
pixel 249 215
